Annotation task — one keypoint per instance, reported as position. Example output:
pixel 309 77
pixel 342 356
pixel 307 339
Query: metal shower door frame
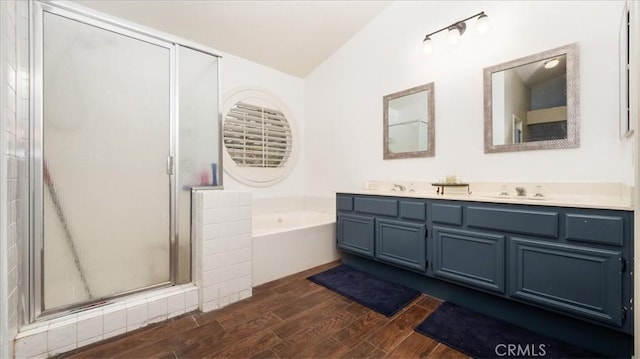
pixel 37 173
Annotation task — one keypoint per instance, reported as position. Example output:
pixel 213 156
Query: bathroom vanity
pixel 529 257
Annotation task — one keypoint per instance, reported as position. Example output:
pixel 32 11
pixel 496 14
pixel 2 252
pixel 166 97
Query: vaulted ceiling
pixel 291 36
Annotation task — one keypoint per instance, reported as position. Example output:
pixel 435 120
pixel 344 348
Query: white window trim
pixel 259 176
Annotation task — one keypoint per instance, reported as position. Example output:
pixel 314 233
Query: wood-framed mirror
pixel 409 123
pixel 532 103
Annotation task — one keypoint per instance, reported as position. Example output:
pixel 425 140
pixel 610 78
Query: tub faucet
pixel 400 187
pixel 521 191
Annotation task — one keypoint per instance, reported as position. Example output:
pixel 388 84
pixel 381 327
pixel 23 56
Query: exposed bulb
pixel 482 24
pixel 427 45
pixel 454 35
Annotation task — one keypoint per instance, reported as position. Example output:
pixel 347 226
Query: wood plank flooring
pixel 287 318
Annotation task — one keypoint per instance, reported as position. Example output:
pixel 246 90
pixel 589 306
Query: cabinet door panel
pixel 412 210
pixel 537 223
pixel 355 234
pixel 381 206
pixel 344 203
pixel 471 258
pixel 582 281
pixel 401 243
pixel 595 228
pixel 447 214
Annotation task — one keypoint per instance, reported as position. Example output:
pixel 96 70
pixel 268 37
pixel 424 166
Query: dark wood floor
pixel 287 318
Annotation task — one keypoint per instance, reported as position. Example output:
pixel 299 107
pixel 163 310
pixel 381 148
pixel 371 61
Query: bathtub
pixel 289 242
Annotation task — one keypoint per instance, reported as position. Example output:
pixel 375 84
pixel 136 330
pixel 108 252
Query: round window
pixel 259 137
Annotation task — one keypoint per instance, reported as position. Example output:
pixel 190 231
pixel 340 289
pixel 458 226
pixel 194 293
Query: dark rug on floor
pixel 384 297
pixel 484 337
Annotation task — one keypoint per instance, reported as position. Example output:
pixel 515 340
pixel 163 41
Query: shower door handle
pixel 170 165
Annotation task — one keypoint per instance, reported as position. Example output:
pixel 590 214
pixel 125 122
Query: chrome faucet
pixel 521 191
pixel 399 187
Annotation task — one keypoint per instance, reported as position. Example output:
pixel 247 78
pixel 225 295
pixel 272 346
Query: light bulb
pixel 482 24
pixel 454 35
pixel 551 64
pixel 427 45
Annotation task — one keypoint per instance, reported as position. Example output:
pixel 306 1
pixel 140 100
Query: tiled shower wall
pixel 14 128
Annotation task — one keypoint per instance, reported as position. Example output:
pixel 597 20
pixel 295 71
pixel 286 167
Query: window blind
pixel 257 136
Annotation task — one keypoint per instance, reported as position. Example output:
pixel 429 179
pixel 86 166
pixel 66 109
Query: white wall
pixel 343 96
pixel 238 72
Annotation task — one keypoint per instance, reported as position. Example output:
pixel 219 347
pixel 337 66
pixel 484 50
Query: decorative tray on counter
pixel 441 186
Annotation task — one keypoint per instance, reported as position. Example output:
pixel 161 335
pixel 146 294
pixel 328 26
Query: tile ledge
pixel 121 303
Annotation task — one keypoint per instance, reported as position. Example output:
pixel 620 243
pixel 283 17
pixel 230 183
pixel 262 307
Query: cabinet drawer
pixel 344 203
pixel 401 243
pixel 470 258
pixel 595 229
pixel 531 222
pixel 355 234
pixel 447 214
pixel 416 211
pixel 581 281
pixel 382 206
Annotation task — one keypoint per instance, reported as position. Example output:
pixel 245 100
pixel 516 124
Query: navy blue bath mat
pixel 484 337
pixel 384 297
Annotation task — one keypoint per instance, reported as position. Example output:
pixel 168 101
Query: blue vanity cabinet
pixel 583 272
pixel 564 272
pixel 571 261
pixel 580 280
pixel 568 260
pixel 470 258
pixel 386 229
pixel 355 234
pixel 401 243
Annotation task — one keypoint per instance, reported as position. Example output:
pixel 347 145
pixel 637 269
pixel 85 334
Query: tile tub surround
pixel 581 195
pixel 223 247
pixel 55 336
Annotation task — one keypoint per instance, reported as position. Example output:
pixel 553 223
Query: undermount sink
pixel 532 198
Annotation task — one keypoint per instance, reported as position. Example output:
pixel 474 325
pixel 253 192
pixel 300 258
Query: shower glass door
pixel 105 161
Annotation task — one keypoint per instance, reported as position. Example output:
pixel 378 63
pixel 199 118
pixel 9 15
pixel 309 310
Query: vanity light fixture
pixel 482 24
pixel 551 63
pixel 427 45
pixel 456 30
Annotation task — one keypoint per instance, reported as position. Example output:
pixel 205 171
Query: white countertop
pixel 601 199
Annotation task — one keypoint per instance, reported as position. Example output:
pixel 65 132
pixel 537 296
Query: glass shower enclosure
pixel 124 124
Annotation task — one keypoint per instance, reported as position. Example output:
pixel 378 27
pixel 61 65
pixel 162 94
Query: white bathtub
pixel 290 242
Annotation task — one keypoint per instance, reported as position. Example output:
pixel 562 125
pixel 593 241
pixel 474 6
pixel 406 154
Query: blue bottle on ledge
pixel 214 171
